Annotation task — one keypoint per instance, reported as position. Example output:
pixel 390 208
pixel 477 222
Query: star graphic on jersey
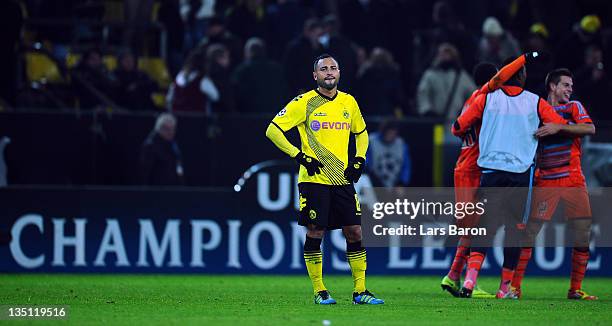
pixel 491 157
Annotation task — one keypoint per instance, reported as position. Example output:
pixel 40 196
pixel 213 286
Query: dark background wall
pixel 103 149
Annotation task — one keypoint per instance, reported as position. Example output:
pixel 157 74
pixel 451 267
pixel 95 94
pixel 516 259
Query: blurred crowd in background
pixel 398 57
pixel 405 61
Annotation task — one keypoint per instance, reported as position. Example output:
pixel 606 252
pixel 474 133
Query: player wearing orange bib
pixel 507 163
pixel 467 172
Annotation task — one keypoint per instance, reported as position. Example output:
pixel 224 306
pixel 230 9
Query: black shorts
pixel 507 193
pixel 507 198
pixel 331 207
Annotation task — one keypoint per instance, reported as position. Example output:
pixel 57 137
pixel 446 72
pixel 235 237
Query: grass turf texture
pixel 287 300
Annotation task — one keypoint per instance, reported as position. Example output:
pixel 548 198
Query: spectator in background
pixel 251 94
pixel 285 18
pixel 160 157
pixel 169 16
pixel 247 18
pixel 135 87
pixel 299 56
pixel 584 34
pixel 445 85
pixel 94 85
pixel 342 48
pixel 193 90
pixel 449 29
pixel 217 33
pixel 137 16
pixel 496 44
pixel 379 87
pixel 537 41
pixel 388 158
pixel 592 85
pixel 354 15
pixel 196 15
pixel 57 10
pixel 218 65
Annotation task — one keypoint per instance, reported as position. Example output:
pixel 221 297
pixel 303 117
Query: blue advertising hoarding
pixel 110 230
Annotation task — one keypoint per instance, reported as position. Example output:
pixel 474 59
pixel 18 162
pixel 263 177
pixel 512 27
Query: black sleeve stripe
pixel 456 125
pixel 538 110
pixel 277 126
pixel 361 132
pixel 485 102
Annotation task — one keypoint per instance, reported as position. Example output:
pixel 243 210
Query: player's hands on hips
pixel 312 165
pixel 354 169
pixel 548 129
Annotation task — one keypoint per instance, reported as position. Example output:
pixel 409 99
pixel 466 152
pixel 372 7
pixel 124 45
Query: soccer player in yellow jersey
pixel 326 118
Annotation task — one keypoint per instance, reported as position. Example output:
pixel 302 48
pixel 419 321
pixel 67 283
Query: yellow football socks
pixel 314 264
pixel 358 263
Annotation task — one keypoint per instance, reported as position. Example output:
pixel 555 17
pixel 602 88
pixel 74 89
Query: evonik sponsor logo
pixel 315 125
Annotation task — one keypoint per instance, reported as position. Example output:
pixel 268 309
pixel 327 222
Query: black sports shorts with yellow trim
pixel 330 207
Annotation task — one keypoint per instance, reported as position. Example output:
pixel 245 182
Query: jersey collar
pixel 325 96
pixel 511 90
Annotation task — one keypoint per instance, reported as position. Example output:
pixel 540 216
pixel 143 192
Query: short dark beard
pixel 322 84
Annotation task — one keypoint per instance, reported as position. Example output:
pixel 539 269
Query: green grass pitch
pixel 287 300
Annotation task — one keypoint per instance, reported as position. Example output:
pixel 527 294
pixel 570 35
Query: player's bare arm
pixel 574 130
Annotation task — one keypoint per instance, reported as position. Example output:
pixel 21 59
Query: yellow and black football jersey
pixel 325 125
